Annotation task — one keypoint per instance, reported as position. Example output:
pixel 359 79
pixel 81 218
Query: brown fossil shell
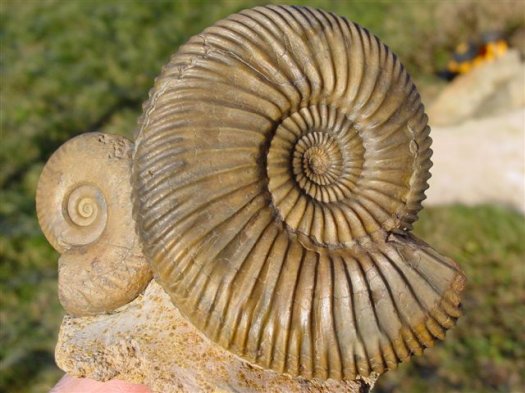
pixel 83 208
pixel 280 162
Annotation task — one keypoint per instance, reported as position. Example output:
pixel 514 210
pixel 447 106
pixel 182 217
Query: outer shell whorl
pixel 84 209
pixel 277 154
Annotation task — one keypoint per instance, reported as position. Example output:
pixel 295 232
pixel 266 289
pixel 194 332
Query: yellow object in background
pixel 493 50
pixel 469 55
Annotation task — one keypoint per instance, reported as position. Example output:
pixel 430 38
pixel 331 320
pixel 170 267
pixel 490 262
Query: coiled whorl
pixel 84 210
pixel 278 154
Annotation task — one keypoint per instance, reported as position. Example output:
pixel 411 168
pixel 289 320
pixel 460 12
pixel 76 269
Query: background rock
pixel 480 161
pixel 491 88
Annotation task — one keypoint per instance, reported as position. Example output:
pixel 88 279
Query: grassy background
pixel 69 67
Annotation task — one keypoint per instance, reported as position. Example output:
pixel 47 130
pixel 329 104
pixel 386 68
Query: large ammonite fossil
pixel 280 162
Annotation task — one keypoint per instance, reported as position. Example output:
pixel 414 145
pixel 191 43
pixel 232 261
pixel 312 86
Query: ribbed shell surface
pixel 279 153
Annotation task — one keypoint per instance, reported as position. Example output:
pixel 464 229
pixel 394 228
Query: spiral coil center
pixel 86 210
pixel 315 161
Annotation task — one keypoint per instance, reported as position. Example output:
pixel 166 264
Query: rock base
pixel 149 342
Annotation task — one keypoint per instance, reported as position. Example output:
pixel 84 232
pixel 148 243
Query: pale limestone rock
pixel 149 342
pixel 480 161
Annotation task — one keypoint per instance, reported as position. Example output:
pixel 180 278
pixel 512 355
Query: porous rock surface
pixel 149 342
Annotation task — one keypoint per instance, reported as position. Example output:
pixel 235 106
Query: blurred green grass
pixel 68 67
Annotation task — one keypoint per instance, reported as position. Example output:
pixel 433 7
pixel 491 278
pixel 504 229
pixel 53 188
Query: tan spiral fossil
pixel 83 208
pixel 280 162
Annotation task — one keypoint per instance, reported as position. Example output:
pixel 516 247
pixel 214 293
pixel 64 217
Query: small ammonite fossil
pixel 83 206
pixel 278 167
